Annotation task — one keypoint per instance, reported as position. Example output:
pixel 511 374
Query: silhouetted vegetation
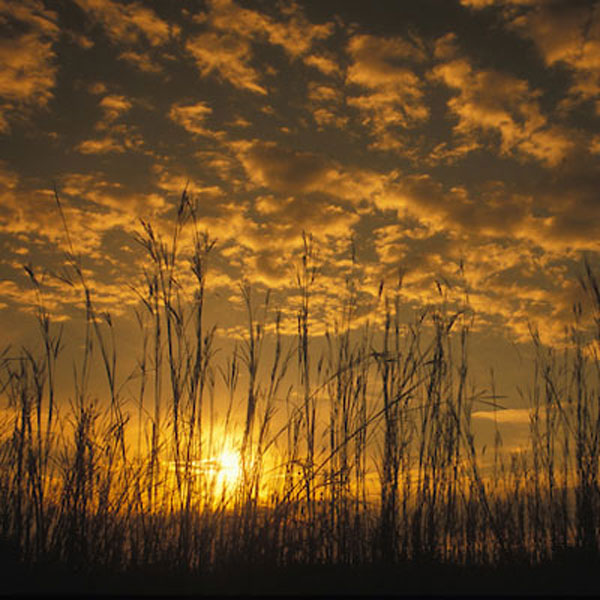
pixel 361 453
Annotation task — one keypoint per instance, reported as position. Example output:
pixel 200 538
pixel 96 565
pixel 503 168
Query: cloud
pixel 239 122
pixel 558 216
pixel 326 104
pixel 225 48
pixel 175 182
pixel 281 169
pixel 31 13
pixel 508 415
pixel 135 29
pixel 291 215
pixel 192 117
pixel 94 206
pixel 302 192
pixel 101 215
pixel 296 35
pixel 114 106
pixel 420 253
pixel 129 24
pixel 324 63
pixel 143 61
pixel 380 62
pixel 79 39
pixel 478 4
pixel 228 56
pixel 24 298
pixel 8 179
pixel 394 98
pixel 219 163
pixel 449 153
pixel 100 146
pixel 119 137
pixel 496 103
pixel 8 198
pixel 97 88
pixel 323 93
pixel 565 32
pixel 437 220
pixel 452 208
pixel 27 57
pixel 22 209
pixel 572 211
pixel 325 117
pixel 511 281
pixel 276 235
pixel 110 195
pixel 258 194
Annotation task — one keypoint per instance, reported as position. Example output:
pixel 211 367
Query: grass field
pixel 349 466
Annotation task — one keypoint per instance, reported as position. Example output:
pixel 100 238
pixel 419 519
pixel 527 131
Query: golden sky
pixel 430 132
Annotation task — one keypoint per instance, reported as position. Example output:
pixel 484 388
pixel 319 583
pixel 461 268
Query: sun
pixel 229 468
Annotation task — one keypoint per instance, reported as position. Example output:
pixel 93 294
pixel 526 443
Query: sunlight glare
pixel 229 467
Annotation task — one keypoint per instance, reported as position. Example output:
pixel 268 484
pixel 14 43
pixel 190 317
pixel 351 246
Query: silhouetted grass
pixel 359 469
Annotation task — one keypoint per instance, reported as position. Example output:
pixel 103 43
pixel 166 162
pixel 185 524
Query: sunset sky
pixel 430 132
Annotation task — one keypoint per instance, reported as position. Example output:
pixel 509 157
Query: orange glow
pixel 229 469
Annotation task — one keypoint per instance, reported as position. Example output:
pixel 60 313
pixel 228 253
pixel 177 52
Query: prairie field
pixel 348 463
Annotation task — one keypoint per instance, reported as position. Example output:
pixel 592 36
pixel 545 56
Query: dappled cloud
pixel 225 48
pixel 130 23
pixel 113 134
pixel 566 33
pixel 27 59
pixel 403 148
pixel 493 102
pixel 228 57
pixel 294 33
pixel 192 117
pixel 390 92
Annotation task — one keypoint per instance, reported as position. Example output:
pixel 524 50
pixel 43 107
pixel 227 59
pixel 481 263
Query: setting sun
pixel 229 468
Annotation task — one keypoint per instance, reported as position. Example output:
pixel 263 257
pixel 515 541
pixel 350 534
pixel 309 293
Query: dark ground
pixel 572 575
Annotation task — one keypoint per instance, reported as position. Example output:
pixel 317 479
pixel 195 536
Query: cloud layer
pixel 406 140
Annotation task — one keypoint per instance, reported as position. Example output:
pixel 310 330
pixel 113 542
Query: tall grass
pixel 361 450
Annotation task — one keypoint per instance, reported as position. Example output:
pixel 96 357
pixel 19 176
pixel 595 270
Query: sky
pixel 456 141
